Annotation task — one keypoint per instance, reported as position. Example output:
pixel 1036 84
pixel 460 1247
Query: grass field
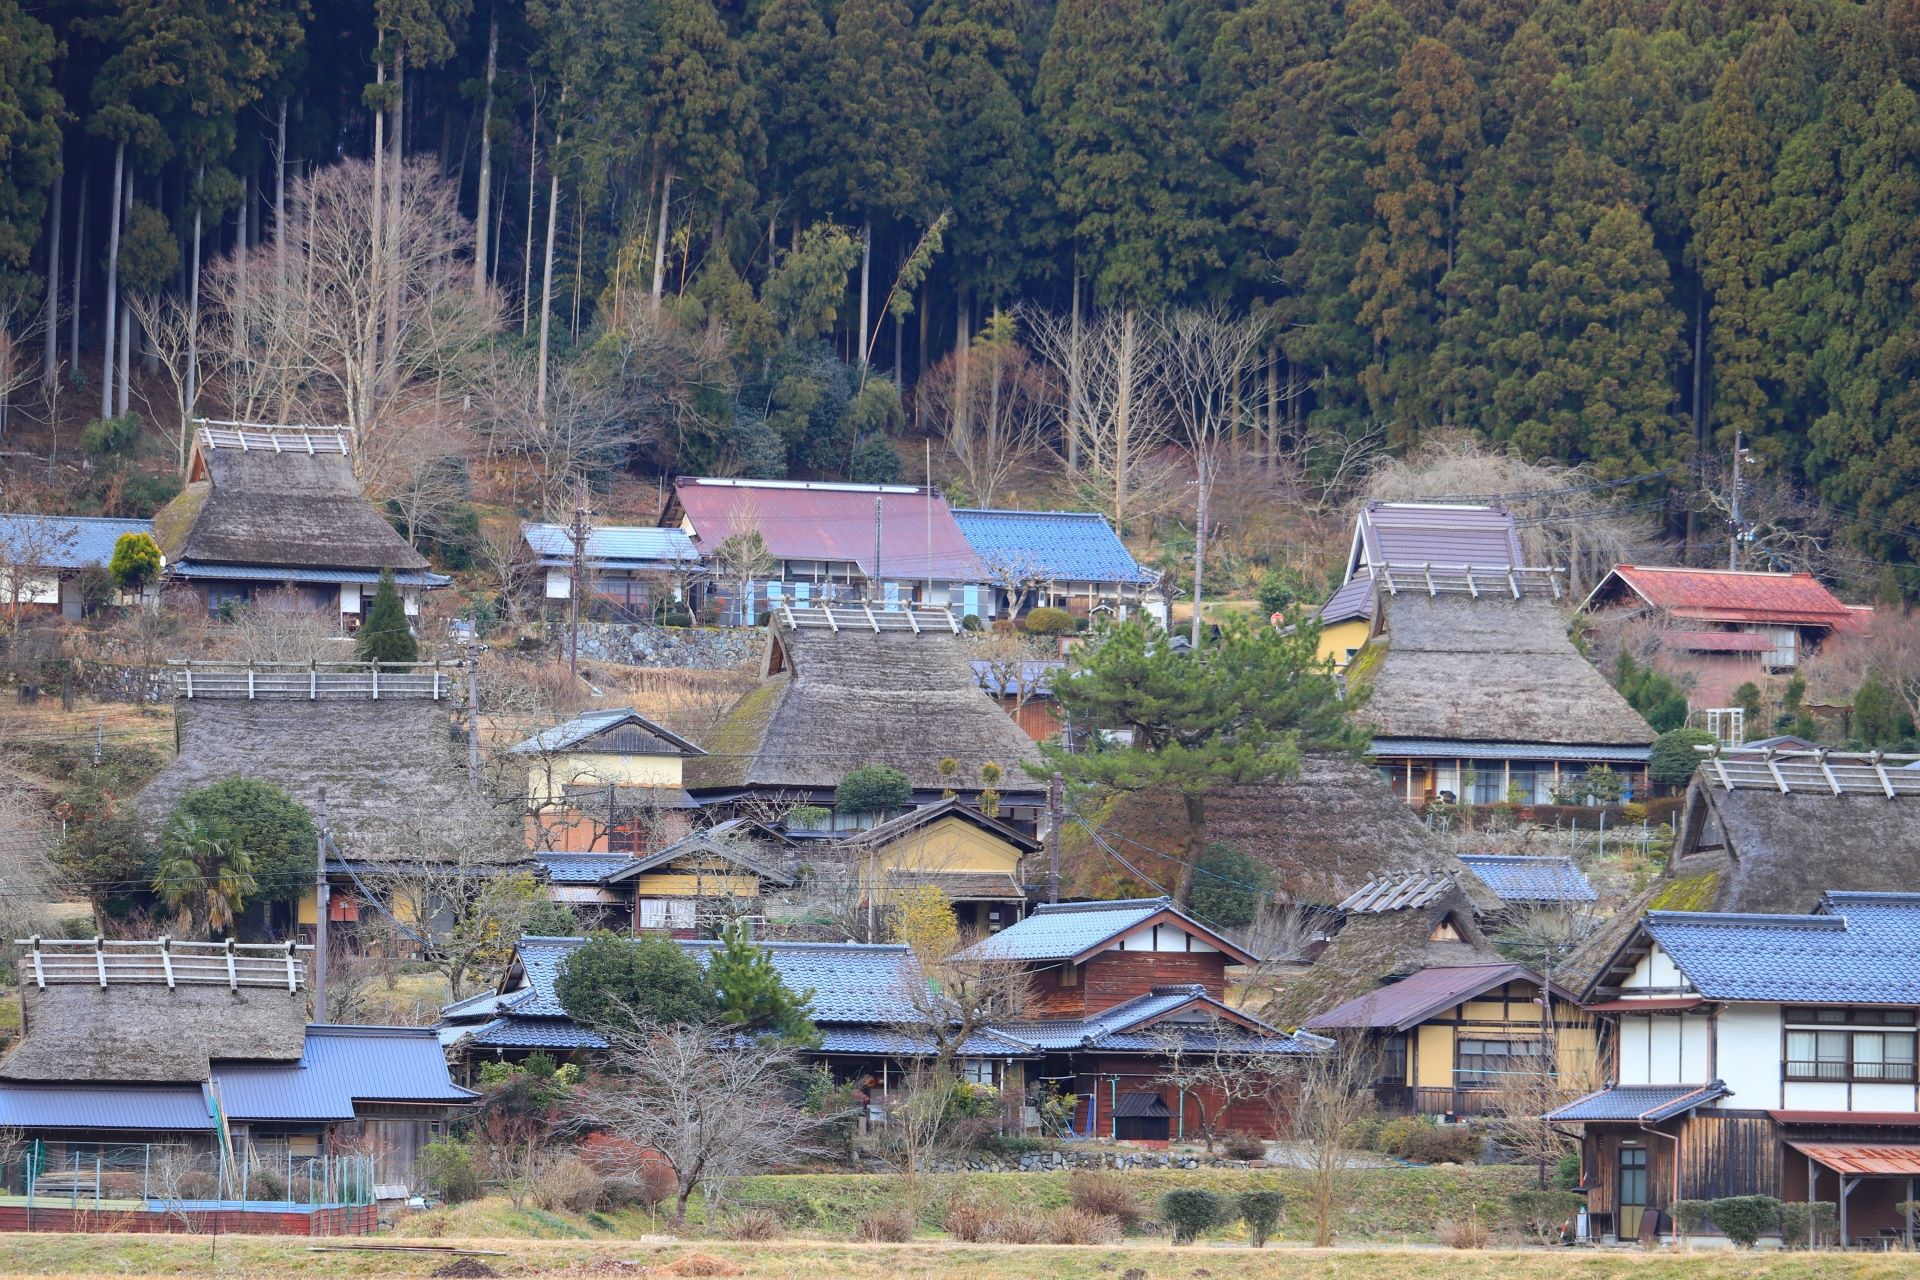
pixel 250 1256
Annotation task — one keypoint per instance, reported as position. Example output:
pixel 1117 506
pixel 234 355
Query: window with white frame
pixel 666 913
pixel 977 1071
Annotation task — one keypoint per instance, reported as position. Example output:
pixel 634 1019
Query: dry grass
pixel 245 1257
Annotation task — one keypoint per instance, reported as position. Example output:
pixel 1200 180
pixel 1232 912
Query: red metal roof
pixel 1869 1159
pixel 1726 595
pixel 919 538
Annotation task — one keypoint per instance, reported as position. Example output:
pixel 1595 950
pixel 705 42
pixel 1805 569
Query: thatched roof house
pixel 841 688
pixel 271 509
pixel 1477 692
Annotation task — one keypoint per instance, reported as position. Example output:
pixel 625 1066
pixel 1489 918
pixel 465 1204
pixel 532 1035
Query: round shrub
pixel 1674 759
pixel 1260 1210
pixel 971 622
pixel 885 1224
pixel 1744 1219
pixel 1240 1145
pixel 872 788
pixel 1542 1216
pixel 1105 1195
pixel 1049 621
pixel 449 1170
pixel 569 1185
pixel 1191 1212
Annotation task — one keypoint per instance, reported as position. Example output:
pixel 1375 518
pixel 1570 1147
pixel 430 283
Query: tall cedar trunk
pixel 393 194
pixel 193 311
pixel 279 204
pixel 660 234
pixel 962 363
pixel 481 209
pixel 1204 477
pixel 1699 410
pixel 150 354
pixel 1271 448
pixel 579 262
pixel 899 337
pixel 376 251
pixel 124 349
pixel 50 359
pixel 499 226
pixel 79 271
pixel 546 292
pixel 526 256
pixel 866 279
pixel 1123 419
pixel 113 282
pixel 1073 379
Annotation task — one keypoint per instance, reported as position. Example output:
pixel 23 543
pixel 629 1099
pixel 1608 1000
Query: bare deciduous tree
pixel 283 627
pixel 990 413
pixel 578 430
pixel 173 338
pixel 1212 1068
pixel 1205 357
pixel 1330 1091
pixel 31 547
pixel 712 1107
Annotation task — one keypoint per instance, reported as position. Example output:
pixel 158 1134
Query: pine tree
pixel 384 635
pixel 751 995
pixel 1130 169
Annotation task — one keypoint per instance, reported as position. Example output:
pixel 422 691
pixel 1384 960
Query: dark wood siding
pixel 1728 1155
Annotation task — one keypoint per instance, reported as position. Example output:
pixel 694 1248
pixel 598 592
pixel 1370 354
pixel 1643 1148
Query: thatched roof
pixel 831 700
pixel 148 1033
pixel 1326 832
pixel 1492 669
pixel 1372 947
pixel 389 767
pixel 259 506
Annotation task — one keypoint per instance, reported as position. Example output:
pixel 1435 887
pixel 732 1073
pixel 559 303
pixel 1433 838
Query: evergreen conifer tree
pixel 384 635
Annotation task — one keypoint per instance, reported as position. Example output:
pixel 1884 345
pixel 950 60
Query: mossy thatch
pixel 148 1033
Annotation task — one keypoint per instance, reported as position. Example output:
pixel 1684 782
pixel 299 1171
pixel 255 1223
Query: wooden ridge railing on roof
pixel 1475 580
pixel 1816 772
pixel 105 961
pixel 314 681
pixel 267 437
pixel 864 617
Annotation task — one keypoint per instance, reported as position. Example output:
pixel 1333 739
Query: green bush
pixel 1442 1144
pixel 971 622
pixel 1805 1226
pixel 1674 758
pixel 1363 1134
pixel 1542 1216
pixel 1397 1133
pixel 449 1170
pixel 1566 1173
pixel 384 634
pixel 1240 1145
pixel 1191 1211
pixel 676 618
pixel 106 437
pixel 1227 886
pixel 1260 1210
pixel 136 561
pixel 1744 1219
pixel 1688 1216
pixel 1049 621
pixel 872 788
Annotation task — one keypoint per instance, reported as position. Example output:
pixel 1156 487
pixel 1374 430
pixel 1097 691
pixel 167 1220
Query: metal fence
pixel 178 1178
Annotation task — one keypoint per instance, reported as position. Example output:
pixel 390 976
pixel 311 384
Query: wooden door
pixel 1632 1202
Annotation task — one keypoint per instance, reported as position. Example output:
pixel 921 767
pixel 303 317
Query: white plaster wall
pixel 1749 1054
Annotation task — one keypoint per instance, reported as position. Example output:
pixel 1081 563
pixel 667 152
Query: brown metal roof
pixel 1871 1119
pixel 1864 1159
pixel 1419 996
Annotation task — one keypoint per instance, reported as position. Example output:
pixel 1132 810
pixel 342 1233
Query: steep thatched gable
pixel 1374 946
pixel 832 700
pixel 278 506
pixel 148 1033
pixel 1492 668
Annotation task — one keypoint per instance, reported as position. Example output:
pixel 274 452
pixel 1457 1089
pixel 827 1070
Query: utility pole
pixel 320 896
pixel 473 717
pixel 879 591
pixel 1733 537
pixel 1204 482
pixel 929 442
pixel 1054 820
pixel 579 572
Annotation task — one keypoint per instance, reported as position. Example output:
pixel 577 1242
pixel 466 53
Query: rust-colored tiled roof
pixel 1726 595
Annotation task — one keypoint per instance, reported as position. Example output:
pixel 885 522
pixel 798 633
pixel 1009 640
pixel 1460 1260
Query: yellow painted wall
pixel 1432 1043
pixel 1433 1060
pixel 669 884
pixel 547 778
pixel 951 844
pixel 1340 637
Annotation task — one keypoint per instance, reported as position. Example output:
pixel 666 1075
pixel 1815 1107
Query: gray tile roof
pixel 581 868
pixel 1858 948
pixel 1529 879
pixel 1398 893
pixel 894 1043
pixel 298 573
pixel 68 542
pixel 1123 1028
pixel 740 851
pixel 1646 1103
pixel 639 736
pixel 163 1108
pixel 1060 931
pixel 1419 996
pixel 1468 749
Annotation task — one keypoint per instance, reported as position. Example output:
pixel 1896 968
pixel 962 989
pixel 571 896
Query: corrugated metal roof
pixel 1419 533
pixel 1420 996
pixel 1354 599
pixel 1141 1105
pixel 1060 546
pixel 1858 948
pixel 342 1065
pixel 1514 878
pixel 1645 1103
pixel 636 735
pixel 741 852
pixel 168 1109
pixel 1466 749
pixel 612 546
pixel 1727 595
pixel 800 521
pixel 1864 1159
pixel 68 542
pixel 290 573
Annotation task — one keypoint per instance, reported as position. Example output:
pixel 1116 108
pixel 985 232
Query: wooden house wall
pixel 1114 976
pixel 1728 1155
pixel 1106 1075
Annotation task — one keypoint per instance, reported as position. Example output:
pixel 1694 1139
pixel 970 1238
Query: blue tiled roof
pixel 894 1043
pixel 1060 931
pixel 170 1109
pixel 1521 879
pixel 1467 749
pixel 1065 546
pixel 1859 948
pixel 1123 1027
pixel 1646 1103
pixel 341 1065
pixel 535 1033
pixel 580 868
pixel 69 542
pixel 616 546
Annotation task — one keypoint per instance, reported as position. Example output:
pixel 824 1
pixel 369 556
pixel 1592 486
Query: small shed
pixel 1142 1117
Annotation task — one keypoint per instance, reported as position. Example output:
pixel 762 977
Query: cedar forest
pixel 675 235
